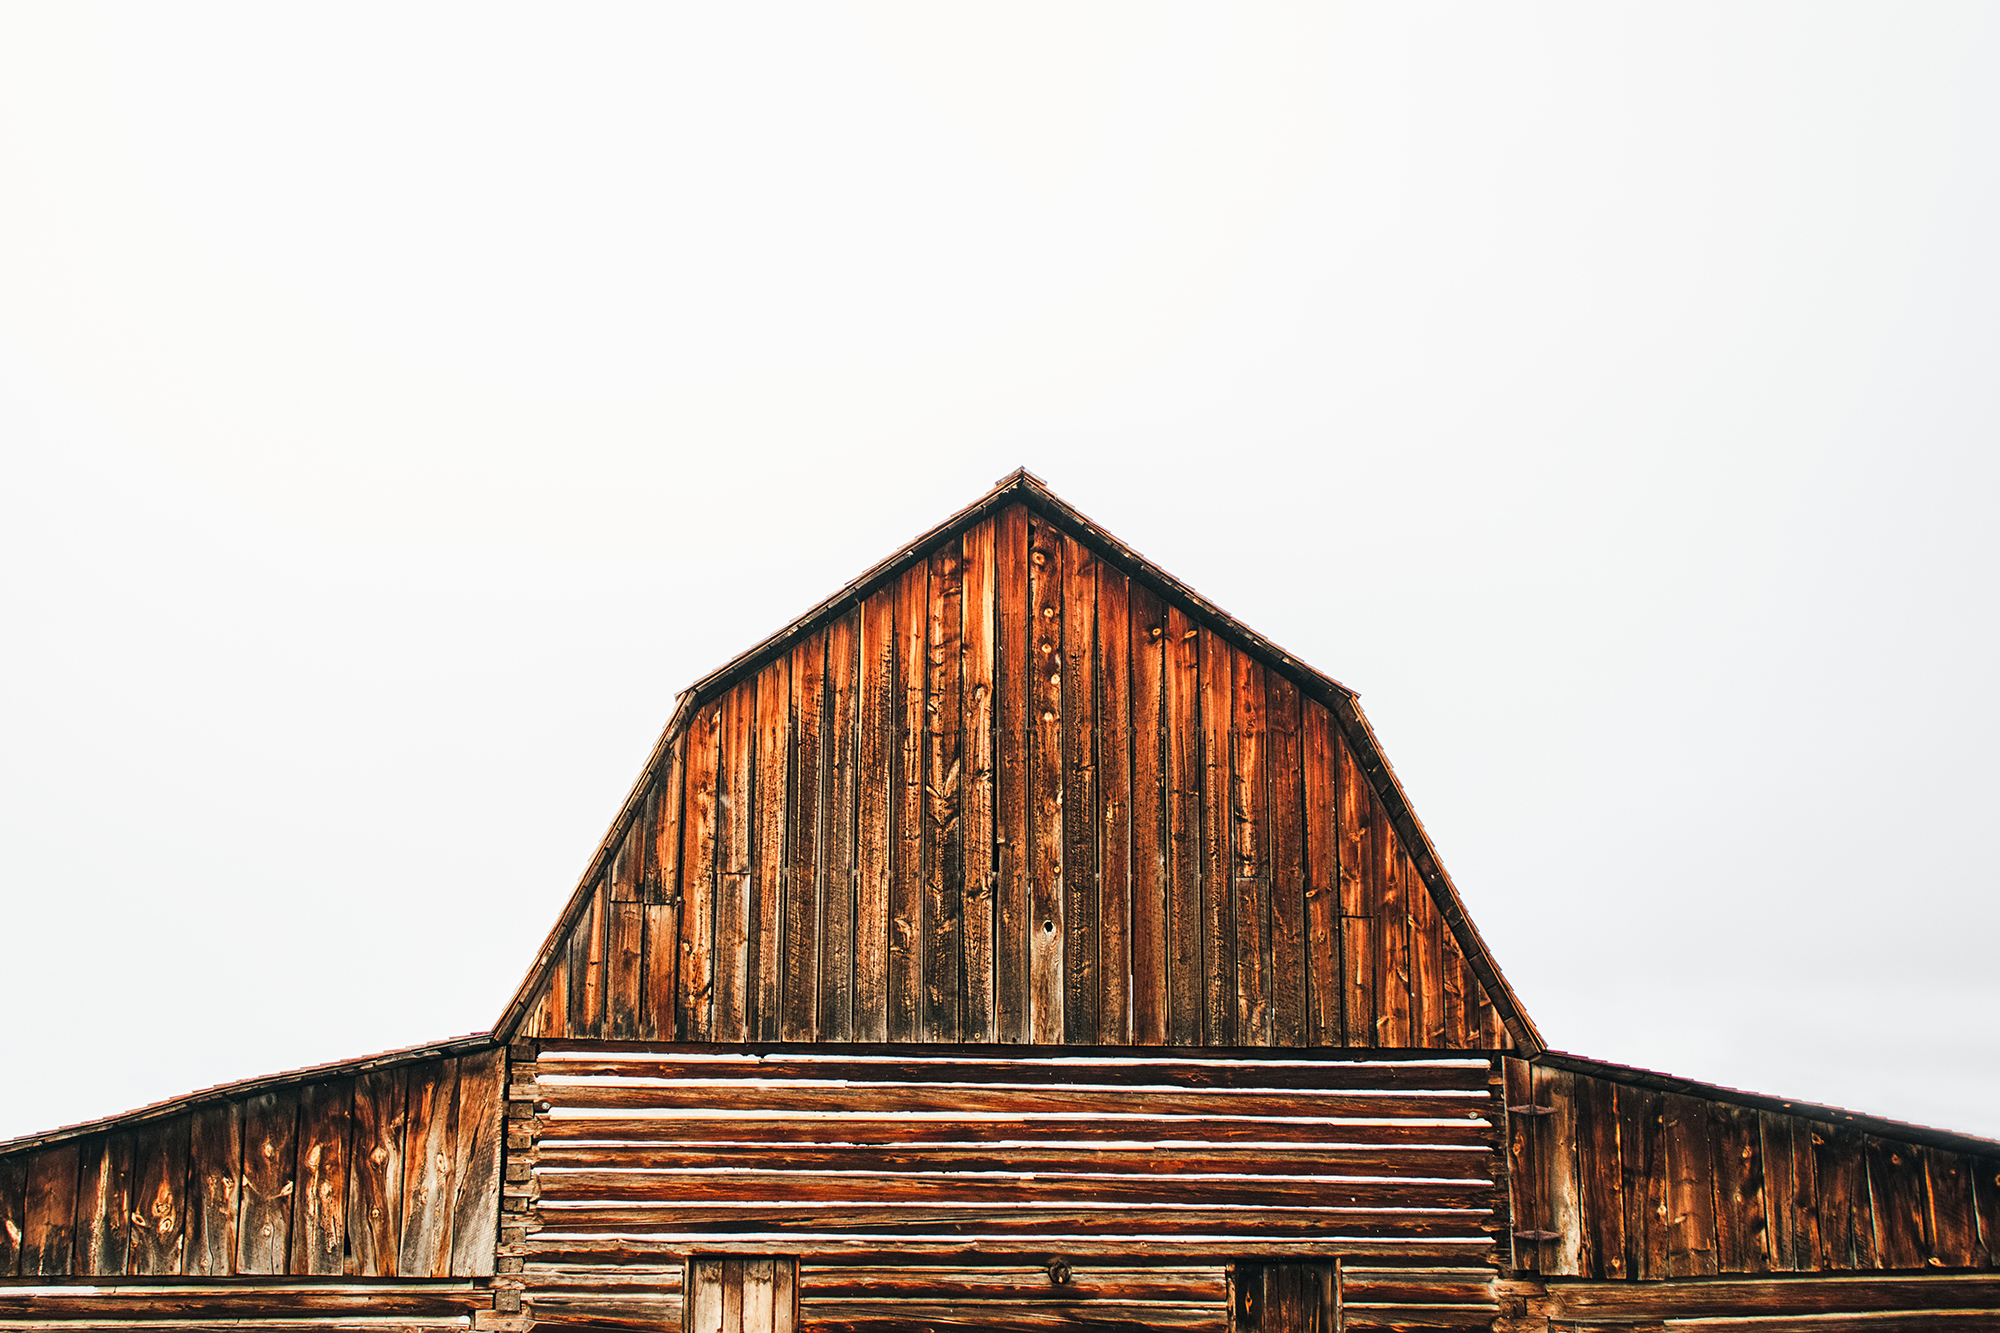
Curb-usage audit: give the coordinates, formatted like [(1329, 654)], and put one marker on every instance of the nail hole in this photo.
[(1048, 927)]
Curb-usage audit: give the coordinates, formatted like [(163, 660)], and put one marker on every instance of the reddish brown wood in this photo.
[(976, 786), (1952, 1220), (625, 969), (1741, 1223), (319, 1203), (375, 1174), (1846, 1222), (1218, 925), (906, 786), (628, 862), (1898, 1204), (876, 704), (1528, 1205), (1427, 1003), (476, 1167), (1250, 851), (1394, 880), (1690, 1162), (215, 1171), (1115, 1003), (803, 907), (1079, 799), (1359, 865), (941, 922), (1325, 965), (270, 1163), (430, 1168), (1289, 969), (734, 850), (1046, 887), (46, 1213), (769, 856), (1012, 670), (1457, 981), (663, 899), (838, 870), (1182, 694), (1149, 841)]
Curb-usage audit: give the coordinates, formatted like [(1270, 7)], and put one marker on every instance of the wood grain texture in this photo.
[(1220, 946), (734, 849), (44, 1211), (802, 908), (663, 899), (941, 923), (1250, 851), (977, 793), (1079, 924), (319, 1202), (907, 813), (430, 1164), (1150, 845), (1012, 670), (1325, 966), (1047, 889), (770, 854), (840, 793), (375, 1174), (1185, 919), (1285, 776), (877, 703), (1114, 737)]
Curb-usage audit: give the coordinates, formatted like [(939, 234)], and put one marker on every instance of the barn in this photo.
[(1014, 941)]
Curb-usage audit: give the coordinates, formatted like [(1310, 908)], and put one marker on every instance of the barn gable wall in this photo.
[(1017, 792)]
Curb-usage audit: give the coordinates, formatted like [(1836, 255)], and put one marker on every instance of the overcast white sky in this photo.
[(400, 403)]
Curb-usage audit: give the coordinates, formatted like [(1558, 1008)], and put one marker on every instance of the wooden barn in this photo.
[(1015, 941)]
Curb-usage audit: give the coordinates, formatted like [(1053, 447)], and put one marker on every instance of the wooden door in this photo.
[(742, 1295)]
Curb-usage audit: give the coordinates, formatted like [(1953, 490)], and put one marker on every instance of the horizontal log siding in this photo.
[(649, 1155), (391, 1172), (1015, 796), (1616, 1180), (392, 1306)]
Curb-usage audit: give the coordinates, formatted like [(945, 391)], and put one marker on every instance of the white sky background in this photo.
[(400, 404)]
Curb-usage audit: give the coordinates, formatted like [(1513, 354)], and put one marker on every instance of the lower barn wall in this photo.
[(1939, 1303), (78, 1306), (390, 1171)]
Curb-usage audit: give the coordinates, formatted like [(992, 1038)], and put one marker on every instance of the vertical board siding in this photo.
[(1012, 795), (48, 1182)]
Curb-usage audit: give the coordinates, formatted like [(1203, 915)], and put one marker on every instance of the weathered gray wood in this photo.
[(476, 1181)]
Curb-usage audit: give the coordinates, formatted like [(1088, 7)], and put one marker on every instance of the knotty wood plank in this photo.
[(1740, 1222), (1457, 980), (942, 921), (1046, 890), (758, 1295), (1392, 938), (1690, 1157), (1290, 972), (1643, 1180), (1427, 1020), (1556, 1155), (1359, 866), (103, 1204), (661, 984), (429, 1169), (1846, 1224), (877, 706), (319, 1204), (1896, 1189), (1599, 1179), (628, 862), (1528, 1204), (215, 1172), (1250, 850), (695, 1001), (734, 848), (375, 1173), (1114, 791), (839, 794), (625, 969), (1182, 704), (976, 800), (1012, 670), (704, 1295), (13, 1213), (799, 979), (476, 1143), (270, 1165), (1953, 1222), (1219, 941), (1986, 1204), (906, 824), (586, 967), (1149, 841), (552, 1013), (1324, 965), (770, 823), (47, 1213), (1080, 816)]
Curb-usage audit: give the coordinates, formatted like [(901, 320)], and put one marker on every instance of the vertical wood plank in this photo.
[(735, 813), (1219, 942), (1427, 1001), (1952, 1225), (13, 1212), (586, 967), (215, 1173), (1250, 850), (759, 1282), (770, 856), (375, 1174), (1456, 977), (1896, 1192), (1740, 1223), (1114, 825), (48, 1213), (1013, 630), (943, 896), (1289, 970), (627, 862), (429, 1171), (695, 1001), (1600, 1179), (1556, 1155), (1182, 685), (1840, 1171), (843, 645), (319, 1204), (976, 800), (270, 1163), (1359, 865), (1986, 1205), (704, 1296), (552, 1014), (732, 1296), (877, 703), (906, 946), (625, 948), (1780, 1193), (1691, 1236), (661, 985), (799, 979), (1046, 891), (1149, 844), (103, 1204), (1080, 819), (1643, 1180), (476, 1144), (1392, 935), (159, 1191), (1325, 965), (785, 1296), (1528, 1203)]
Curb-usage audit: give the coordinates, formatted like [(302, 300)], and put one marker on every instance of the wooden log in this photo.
[(1741, 1223), (1164, 1070), (1690, 1158), (769, 854), (663, 898), (1079, 800), (917, 1220), (1046, 889), (1185, 920), (942, 901), (1114, 1001), (1012, 671), (1250, 851), (876, 701), (837, 876), (429, 1169), (266, 1304), (824, 1247), (476, 1136), (375, 1174), (47, 1213), (1754, 1300), (319, 1204), (270, 1165), (906, 785), (734, 848), (1149, 841), (1321, 795), (1289, 970), (908, 1127), (977, 811), (1218, 936), (1012, 1283), (1461, 1164), (799, 979)]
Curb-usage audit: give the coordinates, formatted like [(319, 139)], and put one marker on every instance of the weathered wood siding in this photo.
[(1016, 795), (1795, 1303), (390, 1172), (1614, 1179), (319, 1307)]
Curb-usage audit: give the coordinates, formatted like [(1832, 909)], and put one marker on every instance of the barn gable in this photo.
[(1016, 785)]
